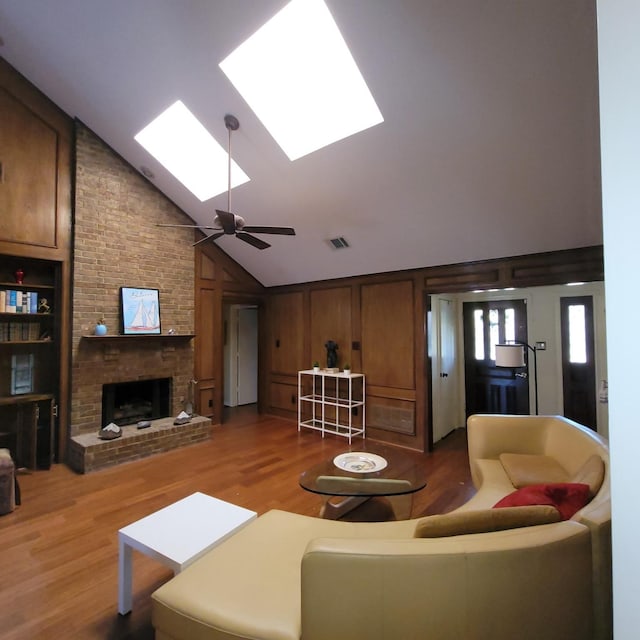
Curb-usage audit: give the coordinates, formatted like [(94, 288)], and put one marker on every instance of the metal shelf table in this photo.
[(332, 403)]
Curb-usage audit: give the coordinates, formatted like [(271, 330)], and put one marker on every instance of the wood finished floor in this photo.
[(59, 551)]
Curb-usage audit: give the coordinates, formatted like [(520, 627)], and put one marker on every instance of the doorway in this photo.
[(444, 372), (488, 388), (240, 355)]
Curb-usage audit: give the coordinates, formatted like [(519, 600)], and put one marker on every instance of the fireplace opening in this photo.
[(126, 403)]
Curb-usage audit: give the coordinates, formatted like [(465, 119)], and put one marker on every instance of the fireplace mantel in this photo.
[(112, 345), (131, 337)]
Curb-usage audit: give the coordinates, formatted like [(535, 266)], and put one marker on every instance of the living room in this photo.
[(234, 283)]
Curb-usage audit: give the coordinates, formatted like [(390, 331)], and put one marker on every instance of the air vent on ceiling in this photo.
[(339, 243)]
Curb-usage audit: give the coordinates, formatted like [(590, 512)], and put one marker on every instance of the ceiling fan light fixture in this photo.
[(228, 223)]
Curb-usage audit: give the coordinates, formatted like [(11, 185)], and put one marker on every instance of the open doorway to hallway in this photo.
[(568, 320), (240, 356)]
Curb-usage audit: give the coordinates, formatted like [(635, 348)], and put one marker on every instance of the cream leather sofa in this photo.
[(287, 576)]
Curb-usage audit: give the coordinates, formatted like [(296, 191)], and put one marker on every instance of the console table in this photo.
[(332, 403)]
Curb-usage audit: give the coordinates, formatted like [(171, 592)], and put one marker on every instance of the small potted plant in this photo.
[(101, 327), (316, 367), (347, 369)]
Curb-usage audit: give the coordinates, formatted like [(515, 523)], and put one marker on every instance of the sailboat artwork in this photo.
[(140, 311)]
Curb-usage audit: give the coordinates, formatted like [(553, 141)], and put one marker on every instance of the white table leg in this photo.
[(124, 577)]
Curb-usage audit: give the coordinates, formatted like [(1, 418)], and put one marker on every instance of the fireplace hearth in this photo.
[(125, 403)]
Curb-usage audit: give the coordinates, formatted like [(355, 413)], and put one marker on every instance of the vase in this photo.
[(101, 330)]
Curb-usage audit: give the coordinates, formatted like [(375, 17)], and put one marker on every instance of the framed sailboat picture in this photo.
[(139, 311)]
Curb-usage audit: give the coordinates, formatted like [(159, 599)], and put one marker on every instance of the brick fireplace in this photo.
[(117, 243)]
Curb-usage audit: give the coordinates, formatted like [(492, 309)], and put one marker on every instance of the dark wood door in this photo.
[(491, 389), (578, 360)]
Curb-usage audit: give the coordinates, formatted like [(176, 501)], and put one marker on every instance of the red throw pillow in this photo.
[(566, 497)]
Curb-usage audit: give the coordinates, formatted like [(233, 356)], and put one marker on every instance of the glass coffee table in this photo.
[(372, 483)]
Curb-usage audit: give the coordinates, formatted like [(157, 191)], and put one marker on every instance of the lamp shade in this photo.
[(510, 355)]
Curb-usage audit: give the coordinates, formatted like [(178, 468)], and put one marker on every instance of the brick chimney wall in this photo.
[(117, 243)]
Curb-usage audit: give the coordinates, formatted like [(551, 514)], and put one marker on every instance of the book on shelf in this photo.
[(14, 301), (22, 373), (21, 331), (10, 306), (34, 331), (15, 331)]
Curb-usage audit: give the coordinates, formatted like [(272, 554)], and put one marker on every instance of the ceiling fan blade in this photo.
[(282, 231), (212, 237), (227, 221), (253, 241), (189, 226)]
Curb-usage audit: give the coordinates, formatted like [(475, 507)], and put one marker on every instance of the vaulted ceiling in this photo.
[(489, 145)]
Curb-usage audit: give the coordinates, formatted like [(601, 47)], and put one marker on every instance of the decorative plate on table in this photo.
[(360, 462)]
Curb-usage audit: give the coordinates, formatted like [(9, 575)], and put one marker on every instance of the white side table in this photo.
[(177, 536)]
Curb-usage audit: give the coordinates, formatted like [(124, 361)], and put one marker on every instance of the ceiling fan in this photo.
[(227, 223)]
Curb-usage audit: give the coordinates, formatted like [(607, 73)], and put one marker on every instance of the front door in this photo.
[(491, 389)]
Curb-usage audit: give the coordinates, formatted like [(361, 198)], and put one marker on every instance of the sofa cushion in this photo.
[(485, 520), (526, 469), (566, 497), (591, 473)]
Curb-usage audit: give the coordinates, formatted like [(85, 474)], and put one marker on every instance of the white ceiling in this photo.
[(489, 146)]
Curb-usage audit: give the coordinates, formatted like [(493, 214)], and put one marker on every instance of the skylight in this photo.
[(299, 77), (180, 142)]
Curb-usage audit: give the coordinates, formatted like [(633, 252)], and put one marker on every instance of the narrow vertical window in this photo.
[(577, 334), (509, 325), (494, 331), (478, 332)]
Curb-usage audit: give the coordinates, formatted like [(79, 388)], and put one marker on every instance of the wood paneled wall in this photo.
[(388, 334), (330, 319), (379, 323)]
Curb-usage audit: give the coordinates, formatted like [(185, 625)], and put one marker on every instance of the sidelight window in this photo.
[(577, 334), (478, 332)]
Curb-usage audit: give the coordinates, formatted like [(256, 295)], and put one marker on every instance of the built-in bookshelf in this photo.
[(29, 356)]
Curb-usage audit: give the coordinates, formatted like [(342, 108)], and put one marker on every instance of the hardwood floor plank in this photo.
[(59, 549)]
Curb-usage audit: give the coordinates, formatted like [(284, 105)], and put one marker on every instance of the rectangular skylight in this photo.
[(299, 77), (181, 143)]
